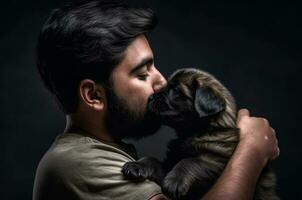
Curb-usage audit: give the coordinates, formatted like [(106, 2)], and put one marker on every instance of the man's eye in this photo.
[(143, 77)]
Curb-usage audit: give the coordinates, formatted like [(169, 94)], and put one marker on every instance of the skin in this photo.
[(133, 81), (258, 144)]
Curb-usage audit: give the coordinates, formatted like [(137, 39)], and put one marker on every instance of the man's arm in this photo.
[(258, 145)]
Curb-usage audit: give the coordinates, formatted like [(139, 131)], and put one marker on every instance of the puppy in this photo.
[(203, 114)]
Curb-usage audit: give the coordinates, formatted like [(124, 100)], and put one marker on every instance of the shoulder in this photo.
[(74, 153), (92, 168)]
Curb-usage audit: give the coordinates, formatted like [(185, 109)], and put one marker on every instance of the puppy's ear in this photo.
[(207, 103)]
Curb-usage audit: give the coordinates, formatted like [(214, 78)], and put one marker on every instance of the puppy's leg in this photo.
[(145, 168), (189, 175)]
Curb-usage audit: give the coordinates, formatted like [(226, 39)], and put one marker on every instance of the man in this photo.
[(95, 59)]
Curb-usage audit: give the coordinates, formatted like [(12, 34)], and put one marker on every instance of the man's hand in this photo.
[(257, 135)]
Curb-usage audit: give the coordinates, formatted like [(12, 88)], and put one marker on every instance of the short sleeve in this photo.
[(98, 176), (92, 171)]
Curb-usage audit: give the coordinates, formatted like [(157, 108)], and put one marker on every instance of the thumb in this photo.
[(242, 113)]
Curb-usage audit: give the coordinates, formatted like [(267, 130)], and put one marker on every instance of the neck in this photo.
[(74, 123)]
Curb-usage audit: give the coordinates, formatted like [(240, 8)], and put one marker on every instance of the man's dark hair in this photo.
[(86, 40)]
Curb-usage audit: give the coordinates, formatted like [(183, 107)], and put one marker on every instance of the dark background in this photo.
[(253, 48)]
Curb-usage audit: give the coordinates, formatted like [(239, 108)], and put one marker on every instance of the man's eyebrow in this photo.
[(144, 62)]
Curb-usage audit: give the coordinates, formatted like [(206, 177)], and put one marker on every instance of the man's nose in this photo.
[(160, 83)]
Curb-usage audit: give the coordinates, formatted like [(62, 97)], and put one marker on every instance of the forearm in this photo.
[(239, 178)]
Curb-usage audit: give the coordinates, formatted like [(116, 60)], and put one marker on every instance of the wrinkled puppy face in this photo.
[(193, 97)]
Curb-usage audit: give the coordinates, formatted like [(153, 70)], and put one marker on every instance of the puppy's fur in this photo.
[(203, 113)]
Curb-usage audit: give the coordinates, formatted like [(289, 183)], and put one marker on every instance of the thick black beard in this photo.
[(126, 123)]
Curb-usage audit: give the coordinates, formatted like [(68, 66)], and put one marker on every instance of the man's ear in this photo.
[(207, 103), (92, 94)]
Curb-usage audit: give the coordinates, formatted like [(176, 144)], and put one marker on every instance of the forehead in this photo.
[(135, 53)]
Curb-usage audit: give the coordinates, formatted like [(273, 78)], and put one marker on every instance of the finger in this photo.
[(242, 112), (277, 153), (275, 136), (274, 132)]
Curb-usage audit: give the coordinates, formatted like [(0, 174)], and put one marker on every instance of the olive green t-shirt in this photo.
[(78, 166)]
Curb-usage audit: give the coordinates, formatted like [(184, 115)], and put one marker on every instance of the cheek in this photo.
[(138, 96), (135, 92)]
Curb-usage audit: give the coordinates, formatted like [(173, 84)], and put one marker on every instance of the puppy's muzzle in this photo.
[(156, 103)]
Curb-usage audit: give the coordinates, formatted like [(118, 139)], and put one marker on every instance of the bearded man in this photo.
[(94, 57)]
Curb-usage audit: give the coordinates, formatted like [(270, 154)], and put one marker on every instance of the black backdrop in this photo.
[(253, 48)]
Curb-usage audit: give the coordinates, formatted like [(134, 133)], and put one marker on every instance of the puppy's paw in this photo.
[(174, 187), (134, 171)]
